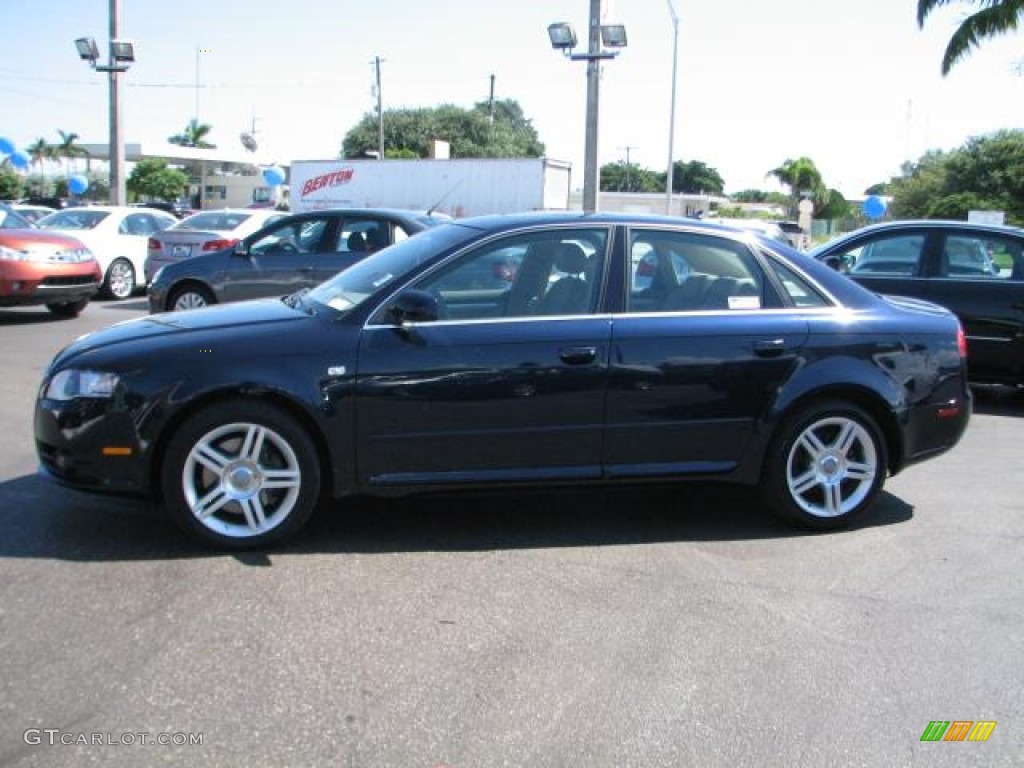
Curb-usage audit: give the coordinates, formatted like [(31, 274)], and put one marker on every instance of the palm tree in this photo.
[(194, 135), (40, 152), (68, 149), (995, 17), (802, 177)]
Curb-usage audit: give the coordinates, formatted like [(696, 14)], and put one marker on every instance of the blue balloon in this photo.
[(273, 175), (6, 146), (874, 207), (78, 184), (20, 160)]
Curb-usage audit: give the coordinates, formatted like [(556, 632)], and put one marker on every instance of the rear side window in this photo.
[(800, 292), (684, 271), (986, 258)]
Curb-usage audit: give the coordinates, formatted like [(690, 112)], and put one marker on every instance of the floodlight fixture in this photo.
[(122, 51), (87, 49), (613, 35), (563, 36)]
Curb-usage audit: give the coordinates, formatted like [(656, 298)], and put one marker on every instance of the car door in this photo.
[(278, 261), (700, 348), (507, 385), (980, 277), (892, 262)]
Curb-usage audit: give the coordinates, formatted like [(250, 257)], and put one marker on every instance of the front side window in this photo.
[(686, 271), (295, 237), (895, 255)]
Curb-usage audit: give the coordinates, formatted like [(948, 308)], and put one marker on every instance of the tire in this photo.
[(826, 465), (190, 297), (67, 308), (119, 282), (219, 460)]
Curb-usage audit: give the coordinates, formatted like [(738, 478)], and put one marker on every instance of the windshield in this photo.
[(11, 220), (351, 287), (73, 219)]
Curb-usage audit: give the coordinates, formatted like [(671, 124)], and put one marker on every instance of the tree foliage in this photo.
[(986, 173), (695, 177), (194, 135), (995, 17), (154, 179), (12, 185), (630, 177), (470, 132)]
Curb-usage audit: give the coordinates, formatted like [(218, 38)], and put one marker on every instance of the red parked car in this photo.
[(39, 267)]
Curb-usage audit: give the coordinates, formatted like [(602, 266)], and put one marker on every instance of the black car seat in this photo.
[(571, 294)]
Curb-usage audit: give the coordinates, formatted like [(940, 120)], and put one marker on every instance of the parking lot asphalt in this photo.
[(662, 626)]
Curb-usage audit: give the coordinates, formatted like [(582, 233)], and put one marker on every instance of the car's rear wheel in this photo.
[(826, 465), (67, 308), (119, 282), (240, 475), (190, 297)]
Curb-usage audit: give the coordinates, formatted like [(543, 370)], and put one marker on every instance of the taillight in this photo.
[(961, 342), (645, 269), (153, 244), (219, 245)]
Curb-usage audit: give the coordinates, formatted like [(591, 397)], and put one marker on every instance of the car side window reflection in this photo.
[(295, 237), (679, 272), (557, 273), (897, 255), (989, 258)]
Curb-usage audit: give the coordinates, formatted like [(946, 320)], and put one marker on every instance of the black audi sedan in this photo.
[(293, 252), (735, 359), (976, 270)]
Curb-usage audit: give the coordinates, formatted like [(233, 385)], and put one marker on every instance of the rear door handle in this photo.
[(578, 355), (769, 347)]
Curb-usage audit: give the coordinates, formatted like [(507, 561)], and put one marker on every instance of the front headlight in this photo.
[(10, 254), (72, 383)]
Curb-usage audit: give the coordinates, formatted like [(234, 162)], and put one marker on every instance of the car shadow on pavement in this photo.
[(998, 401), (46, 521), (29, 316), (135, 304)]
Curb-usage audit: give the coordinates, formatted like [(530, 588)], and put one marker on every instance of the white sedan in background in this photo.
[(117, 235)]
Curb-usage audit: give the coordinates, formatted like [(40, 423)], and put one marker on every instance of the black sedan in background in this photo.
[(975, 270), (737, 360), (294, 252)]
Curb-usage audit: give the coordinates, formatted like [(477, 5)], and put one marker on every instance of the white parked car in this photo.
[(117, 235)]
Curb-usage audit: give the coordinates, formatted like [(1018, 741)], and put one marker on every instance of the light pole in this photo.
[(121, 56), (563, 38), (672, 109)]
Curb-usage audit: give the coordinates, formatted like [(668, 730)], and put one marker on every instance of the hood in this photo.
[(246, 316)]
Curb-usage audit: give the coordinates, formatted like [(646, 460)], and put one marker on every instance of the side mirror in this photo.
[(241, 249), (836, 262), (414, 307)]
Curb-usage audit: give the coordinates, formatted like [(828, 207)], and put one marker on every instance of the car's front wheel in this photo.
[(826, 465), (119, 282), (240, 475), (190, 297), (67, 308)]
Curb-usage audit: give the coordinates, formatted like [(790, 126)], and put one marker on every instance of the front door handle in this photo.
[(578, 355), (769, 347)]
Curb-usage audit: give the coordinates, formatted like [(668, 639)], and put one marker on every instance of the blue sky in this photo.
[(855, 87)]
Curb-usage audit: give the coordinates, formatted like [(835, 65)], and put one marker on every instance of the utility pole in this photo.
[(628, 166), (672, 109), (380, 113), (118, 188), (490, 103)]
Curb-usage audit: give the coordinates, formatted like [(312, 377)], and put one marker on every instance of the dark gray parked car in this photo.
[(295, 252)]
